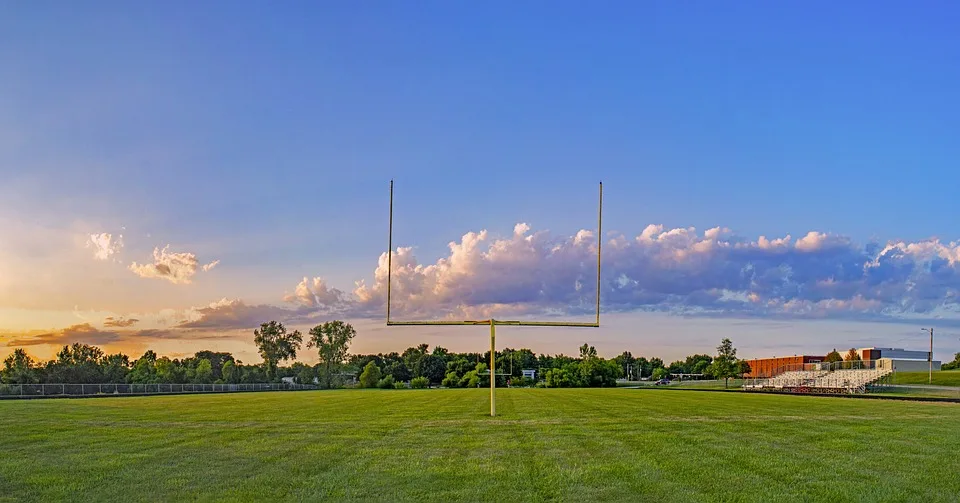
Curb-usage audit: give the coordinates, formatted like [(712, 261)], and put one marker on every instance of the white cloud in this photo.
[(683, 271), (671, 269), (104, 245), (175, 267), (211, 265), (314, 293)]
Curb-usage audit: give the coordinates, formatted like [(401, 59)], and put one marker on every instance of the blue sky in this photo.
[(264, 135)]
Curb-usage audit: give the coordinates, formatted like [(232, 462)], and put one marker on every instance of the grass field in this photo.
[(441, 445), (733, 384), (940, 378)]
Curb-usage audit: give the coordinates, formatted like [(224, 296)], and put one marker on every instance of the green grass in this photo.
[(940, 378), (441, 445), (733, 384)]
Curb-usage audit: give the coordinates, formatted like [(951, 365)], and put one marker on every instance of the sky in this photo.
[(173, 174)]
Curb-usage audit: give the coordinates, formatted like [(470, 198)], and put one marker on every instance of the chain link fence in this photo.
[(78, 390)]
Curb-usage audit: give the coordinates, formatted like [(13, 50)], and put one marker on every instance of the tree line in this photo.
[(420, 366)]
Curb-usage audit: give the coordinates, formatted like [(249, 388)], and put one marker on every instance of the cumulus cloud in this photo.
[(175, 267), (110, 321), (677, 270), (682, 271), (104, 245), (315, 293)]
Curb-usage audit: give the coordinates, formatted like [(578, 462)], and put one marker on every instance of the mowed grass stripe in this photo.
[(441, 445)]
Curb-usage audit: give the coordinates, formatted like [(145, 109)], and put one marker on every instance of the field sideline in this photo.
[(441, 445)]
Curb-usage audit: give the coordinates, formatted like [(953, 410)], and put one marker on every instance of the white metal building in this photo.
[(902, 365), (893, 353)]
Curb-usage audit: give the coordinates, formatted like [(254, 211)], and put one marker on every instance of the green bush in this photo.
[(399, 385), (520, 382), (385, 383), (370, 376), (419, 382), (451, 381), (470, 380)]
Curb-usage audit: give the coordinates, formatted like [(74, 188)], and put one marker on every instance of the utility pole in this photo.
[(930, 355)]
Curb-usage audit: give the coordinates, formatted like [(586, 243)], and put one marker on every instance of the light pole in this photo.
[(930, 357)]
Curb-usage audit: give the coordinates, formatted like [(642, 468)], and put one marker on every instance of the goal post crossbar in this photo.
[(515, 323)]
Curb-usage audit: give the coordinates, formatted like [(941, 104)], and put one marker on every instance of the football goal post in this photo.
[(491, 322)]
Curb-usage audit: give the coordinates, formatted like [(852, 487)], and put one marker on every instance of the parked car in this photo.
[(662, 381)]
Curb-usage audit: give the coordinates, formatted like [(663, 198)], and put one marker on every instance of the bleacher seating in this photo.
[(795, 378), (846, 380)]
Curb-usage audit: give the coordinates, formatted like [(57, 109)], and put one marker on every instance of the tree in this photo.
[(306, 375), (587, 352), (701, 366), (660, 373), (597, 372), (744, 368), (76, 363), (204, 372), (115, 368), (643, 367), (653, 365), (370, 376), (332, 340), (459, 366), (833, 356), (217, 359), (451, 380), (168, 371), (276, 345), (470, 380), (229, 372), (412, 355), (398, 370), (251, 374), (725, 365), (18, 368), (852, 355), (954, 365), (144, 369), (432, 367), (628, 363)]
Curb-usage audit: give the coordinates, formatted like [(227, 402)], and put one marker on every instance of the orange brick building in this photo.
[(766, 367)]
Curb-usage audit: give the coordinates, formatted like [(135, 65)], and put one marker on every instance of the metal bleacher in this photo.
[(837, 377)]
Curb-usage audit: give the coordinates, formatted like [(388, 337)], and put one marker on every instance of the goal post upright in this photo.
[(491, 321)]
